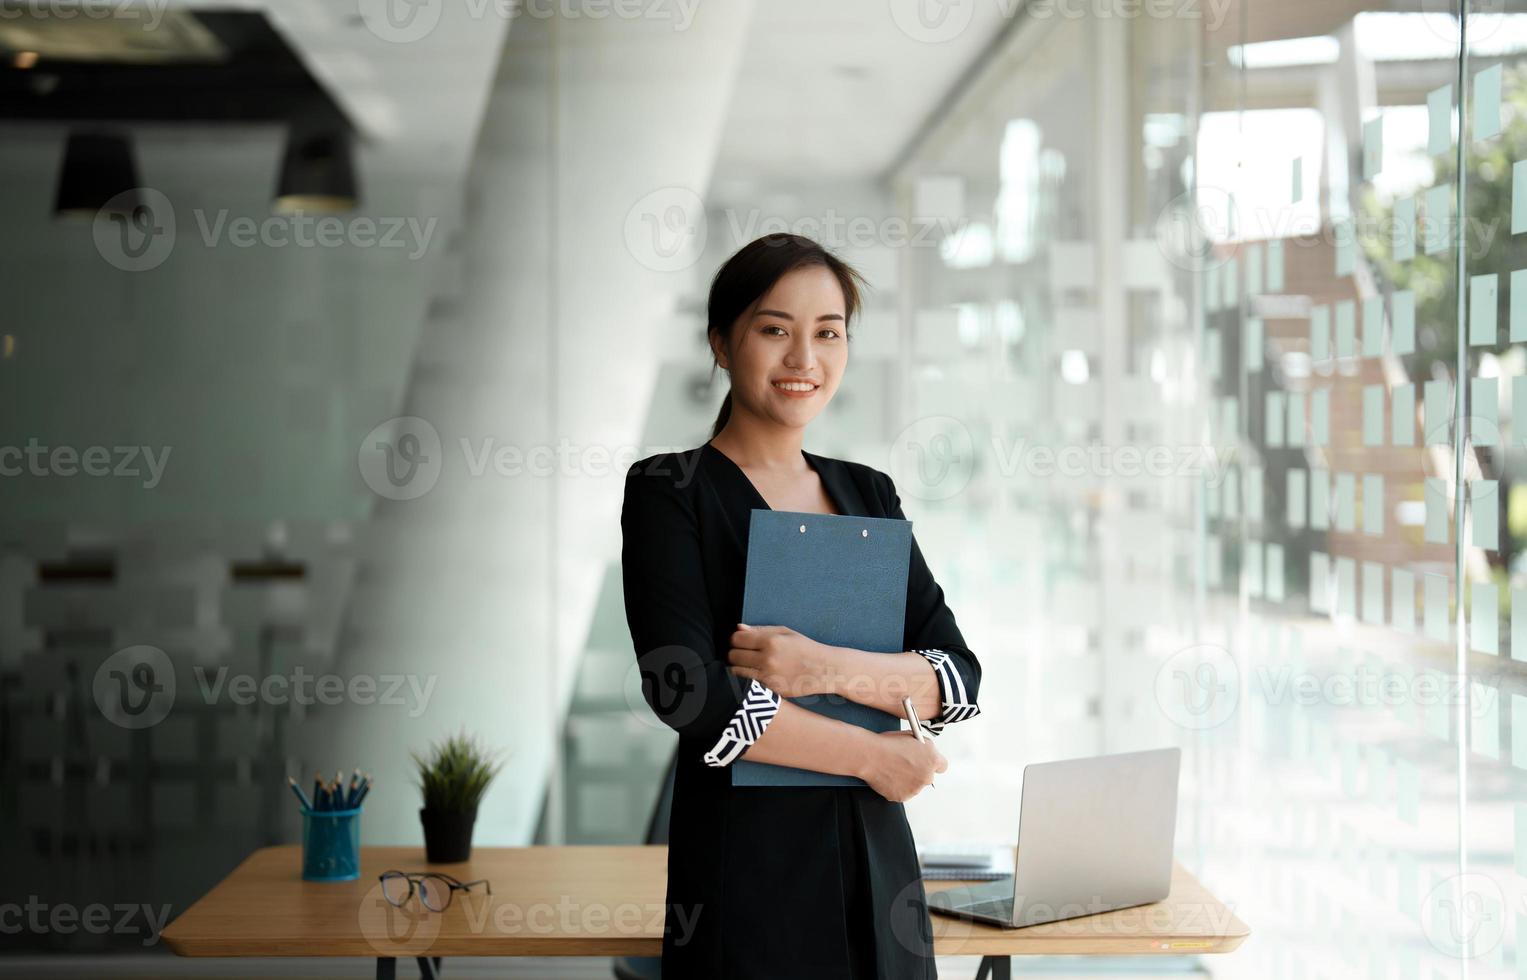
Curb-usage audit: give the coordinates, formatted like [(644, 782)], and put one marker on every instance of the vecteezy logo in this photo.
[(400, 21), (933, 458), (666, 687), (673, 682), (916, 931), (1191, 223), (932, 21), (135, 687), (666, 230), (1441, 18), (391, 930), (135, 230), (1464, 916), (401, 459), (1199, 687)]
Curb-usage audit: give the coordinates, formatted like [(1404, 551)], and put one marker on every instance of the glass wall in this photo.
[(1492, 324), (1236, 385)]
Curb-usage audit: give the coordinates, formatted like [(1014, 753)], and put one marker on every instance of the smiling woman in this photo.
[(800, 881), (782, 292)]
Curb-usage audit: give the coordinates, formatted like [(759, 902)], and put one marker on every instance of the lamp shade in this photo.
[(317, 173), (97, 168)]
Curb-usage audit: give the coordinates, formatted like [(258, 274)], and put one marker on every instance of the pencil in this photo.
[(297, 791)]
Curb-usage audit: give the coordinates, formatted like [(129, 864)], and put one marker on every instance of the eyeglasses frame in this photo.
[(415, 877)]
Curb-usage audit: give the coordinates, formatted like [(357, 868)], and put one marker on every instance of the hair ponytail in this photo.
[(723, 415)]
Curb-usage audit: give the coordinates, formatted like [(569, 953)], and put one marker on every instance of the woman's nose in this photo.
[(800, 356)]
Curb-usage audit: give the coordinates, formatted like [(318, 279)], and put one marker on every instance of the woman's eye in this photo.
[(831, 331), (774, 326)]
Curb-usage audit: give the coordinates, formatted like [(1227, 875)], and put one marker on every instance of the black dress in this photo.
[(806, 883)]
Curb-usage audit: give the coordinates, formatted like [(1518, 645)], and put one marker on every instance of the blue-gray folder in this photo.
[(840, 580)]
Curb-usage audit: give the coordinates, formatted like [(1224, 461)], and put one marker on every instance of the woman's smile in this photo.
[(792, 388)]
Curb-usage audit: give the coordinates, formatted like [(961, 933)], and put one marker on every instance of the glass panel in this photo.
[(1489, 892), (1232, 241), (1006, 313)]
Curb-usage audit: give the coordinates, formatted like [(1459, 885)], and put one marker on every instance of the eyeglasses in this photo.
[(435, 889)]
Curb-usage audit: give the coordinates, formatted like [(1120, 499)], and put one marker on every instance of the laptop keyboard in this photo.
[(1002, 907)]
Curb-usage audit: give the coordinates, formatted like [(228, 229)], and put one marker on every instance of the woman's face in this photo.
[(795, 332)]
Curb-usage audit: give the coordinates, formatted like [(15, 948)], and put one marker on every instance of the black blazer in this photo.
[(765, 882)]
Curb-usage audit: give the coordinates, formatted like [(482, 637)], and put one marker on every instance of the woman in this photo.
[(787, 881)]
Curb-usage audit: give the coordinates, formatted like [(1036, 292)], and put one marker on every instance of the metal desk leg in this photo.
[(429, 967), (995, 968)]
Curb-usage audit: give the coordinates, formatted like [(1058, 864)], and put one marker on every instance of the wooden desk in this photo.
[(594, 901)]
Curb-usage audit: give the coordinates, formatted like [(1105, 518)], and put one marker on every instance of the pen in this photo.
[(917, 728)]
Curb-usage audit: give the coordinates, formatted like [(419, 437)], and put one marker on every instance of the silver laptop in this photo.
[(1093, 835)]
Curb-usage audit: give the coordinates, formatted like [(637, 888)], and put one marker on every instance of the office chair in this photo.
[(651, 967)]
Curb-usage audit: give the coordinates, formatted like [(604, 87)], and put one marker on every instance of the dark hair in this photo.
[(744, 278)]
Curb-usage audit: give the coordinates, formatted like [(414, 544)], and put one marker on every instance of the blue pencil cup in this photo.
[(331, 845)]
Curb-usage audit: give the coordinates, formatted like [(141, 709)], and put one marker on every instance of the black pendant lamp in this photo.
[(317, 173), (97, 168)]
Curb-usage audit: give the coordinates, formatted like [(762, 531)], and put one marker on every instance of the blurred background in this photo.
[(1193, 345)]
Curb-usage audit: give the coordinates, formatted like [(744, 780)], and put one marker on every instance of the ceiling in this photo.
[(833, 91), (214, 67), (418, 91), (822, 90), (415, 92)]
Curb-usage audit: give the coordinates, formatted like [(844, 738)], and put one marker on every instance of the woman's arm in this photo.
[(683, 679), (794, 665), (894, 764), (940, 673), (807, 740), (943, 691), (881, 680)]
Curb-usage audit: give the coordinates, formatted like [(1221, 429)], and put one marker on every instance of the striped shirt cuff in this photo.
[(954, 704), (758, 708)]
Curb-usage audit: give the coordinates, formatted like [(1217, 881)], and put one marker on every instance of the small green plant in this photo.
[(456, 774)]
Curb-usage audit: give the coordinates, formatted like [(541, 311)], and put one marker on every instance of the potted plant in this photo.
[(452, 780)]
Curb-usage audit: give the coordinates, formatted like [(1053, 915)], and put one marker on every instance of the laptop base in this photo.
[(991, 902)]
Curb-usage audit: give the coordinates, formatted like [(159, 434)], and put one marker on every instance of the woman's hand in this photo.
[(898, 766), (786, 662)]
